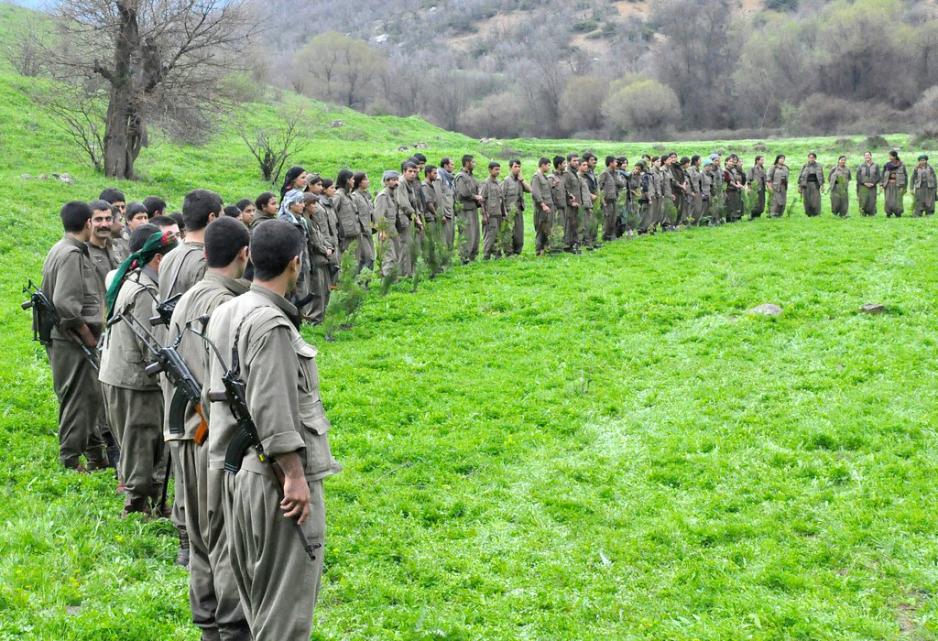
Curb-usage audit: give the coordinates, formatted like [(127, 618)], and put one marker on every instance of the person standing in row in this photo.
[(586, 231), (756, 181), (323, 255), (895, 181), (445, 194), (734, 179), (71, 284), (493, 213), (468, 201), (810, 182), (264, 501), (869, 177), (366, 221), (609, 192), (542, 197), (386, 211), (134, 398), (514, 189), (838, 183), (558, 195), (345, 213), (213, 597), (571, 187), (923, 188), (777, 183)]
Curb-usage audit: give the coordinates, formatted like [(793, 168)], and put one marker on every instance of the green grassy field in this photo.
[(597, 447)]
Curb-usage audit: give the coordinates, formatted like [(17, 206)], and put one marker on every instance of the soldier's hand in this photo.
[(295, 503)]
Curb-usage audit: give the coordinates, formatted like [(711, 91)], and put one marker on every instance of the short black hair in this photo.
[(233, 211), (263, 199), (468, 158), (135, 208), (572, 155), (162, 221), (179, 220), (494, 164), (244, 203), (273, 245), (420, 157), (445, 161), (558, 160), (610, 160), (100, 205), (513, 162), (112, 195), (543, 161), (428, 169), (75, 215), (408, 164), (224, 238), (154, 204), (589, 155), (197, 206), (139, 238)]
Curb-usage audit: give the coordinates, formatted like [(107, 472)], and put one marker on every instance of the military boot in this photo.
[(97, 459), (139, 505)]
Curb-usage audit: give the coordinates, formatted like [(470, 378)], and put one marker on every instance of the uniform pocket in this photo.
[(319, 461)]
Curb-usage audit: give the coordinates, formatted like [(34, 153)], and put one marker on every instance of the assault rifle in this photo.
[(168, 361), (247, 436), (45, 318)]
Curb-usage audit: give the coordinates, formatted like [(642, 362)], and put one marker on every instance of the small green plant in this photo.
[(349, 296)]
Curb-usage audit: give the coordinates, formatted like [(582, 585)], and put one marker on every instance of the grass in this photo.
[(597, 447)]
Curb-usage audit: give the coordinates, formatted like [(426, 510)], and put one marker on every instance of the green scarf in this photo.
[(158, 243)]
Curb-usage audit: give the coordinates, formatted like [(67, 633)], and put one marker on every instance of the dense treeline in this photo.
[(591, 68)]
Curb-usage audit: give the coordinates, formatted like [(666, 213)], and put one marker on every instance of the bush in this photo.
[(645, 106), (875, 142)]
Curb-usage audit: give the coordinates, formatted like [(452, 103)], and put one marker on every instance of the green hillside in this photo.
[(596, 447)]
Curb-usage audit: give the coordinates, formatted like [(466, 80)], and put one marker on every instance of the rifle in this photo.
[(164, 310), (247, 437), (45, 318), (171, 364)]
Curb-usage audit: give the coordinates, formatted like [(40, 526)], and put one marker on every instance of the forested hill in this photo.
[(505, 68)]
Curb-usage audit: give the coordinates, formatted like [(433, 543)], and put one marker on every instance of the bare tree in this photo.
[(24, 49), (149, 53), (273, 146), (80, 113)]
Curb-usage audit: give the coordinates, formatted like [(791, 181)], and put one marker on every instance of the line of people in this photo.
[(128, 279)]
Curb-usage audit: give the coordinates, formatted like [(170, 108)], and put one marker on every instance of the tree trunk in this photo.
[(123, 133)]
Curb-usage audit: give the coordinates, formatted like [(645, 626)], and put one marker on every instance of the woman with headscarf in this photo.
[(291, 210), (133, 396), (895, 180)]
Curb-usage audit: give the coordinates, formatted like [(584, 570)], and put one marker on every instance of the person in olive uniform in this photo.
[(72, 285), (838, 183), (810, 183), (756, 180), (609, 192), (134, 397), (365, 213), (493, 213), (390, 221), (468, 202), (777, 183), (217, 611), (895, 180), (923, 187), (513, 189), (276, 579), (869, 177), (542, 197)]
